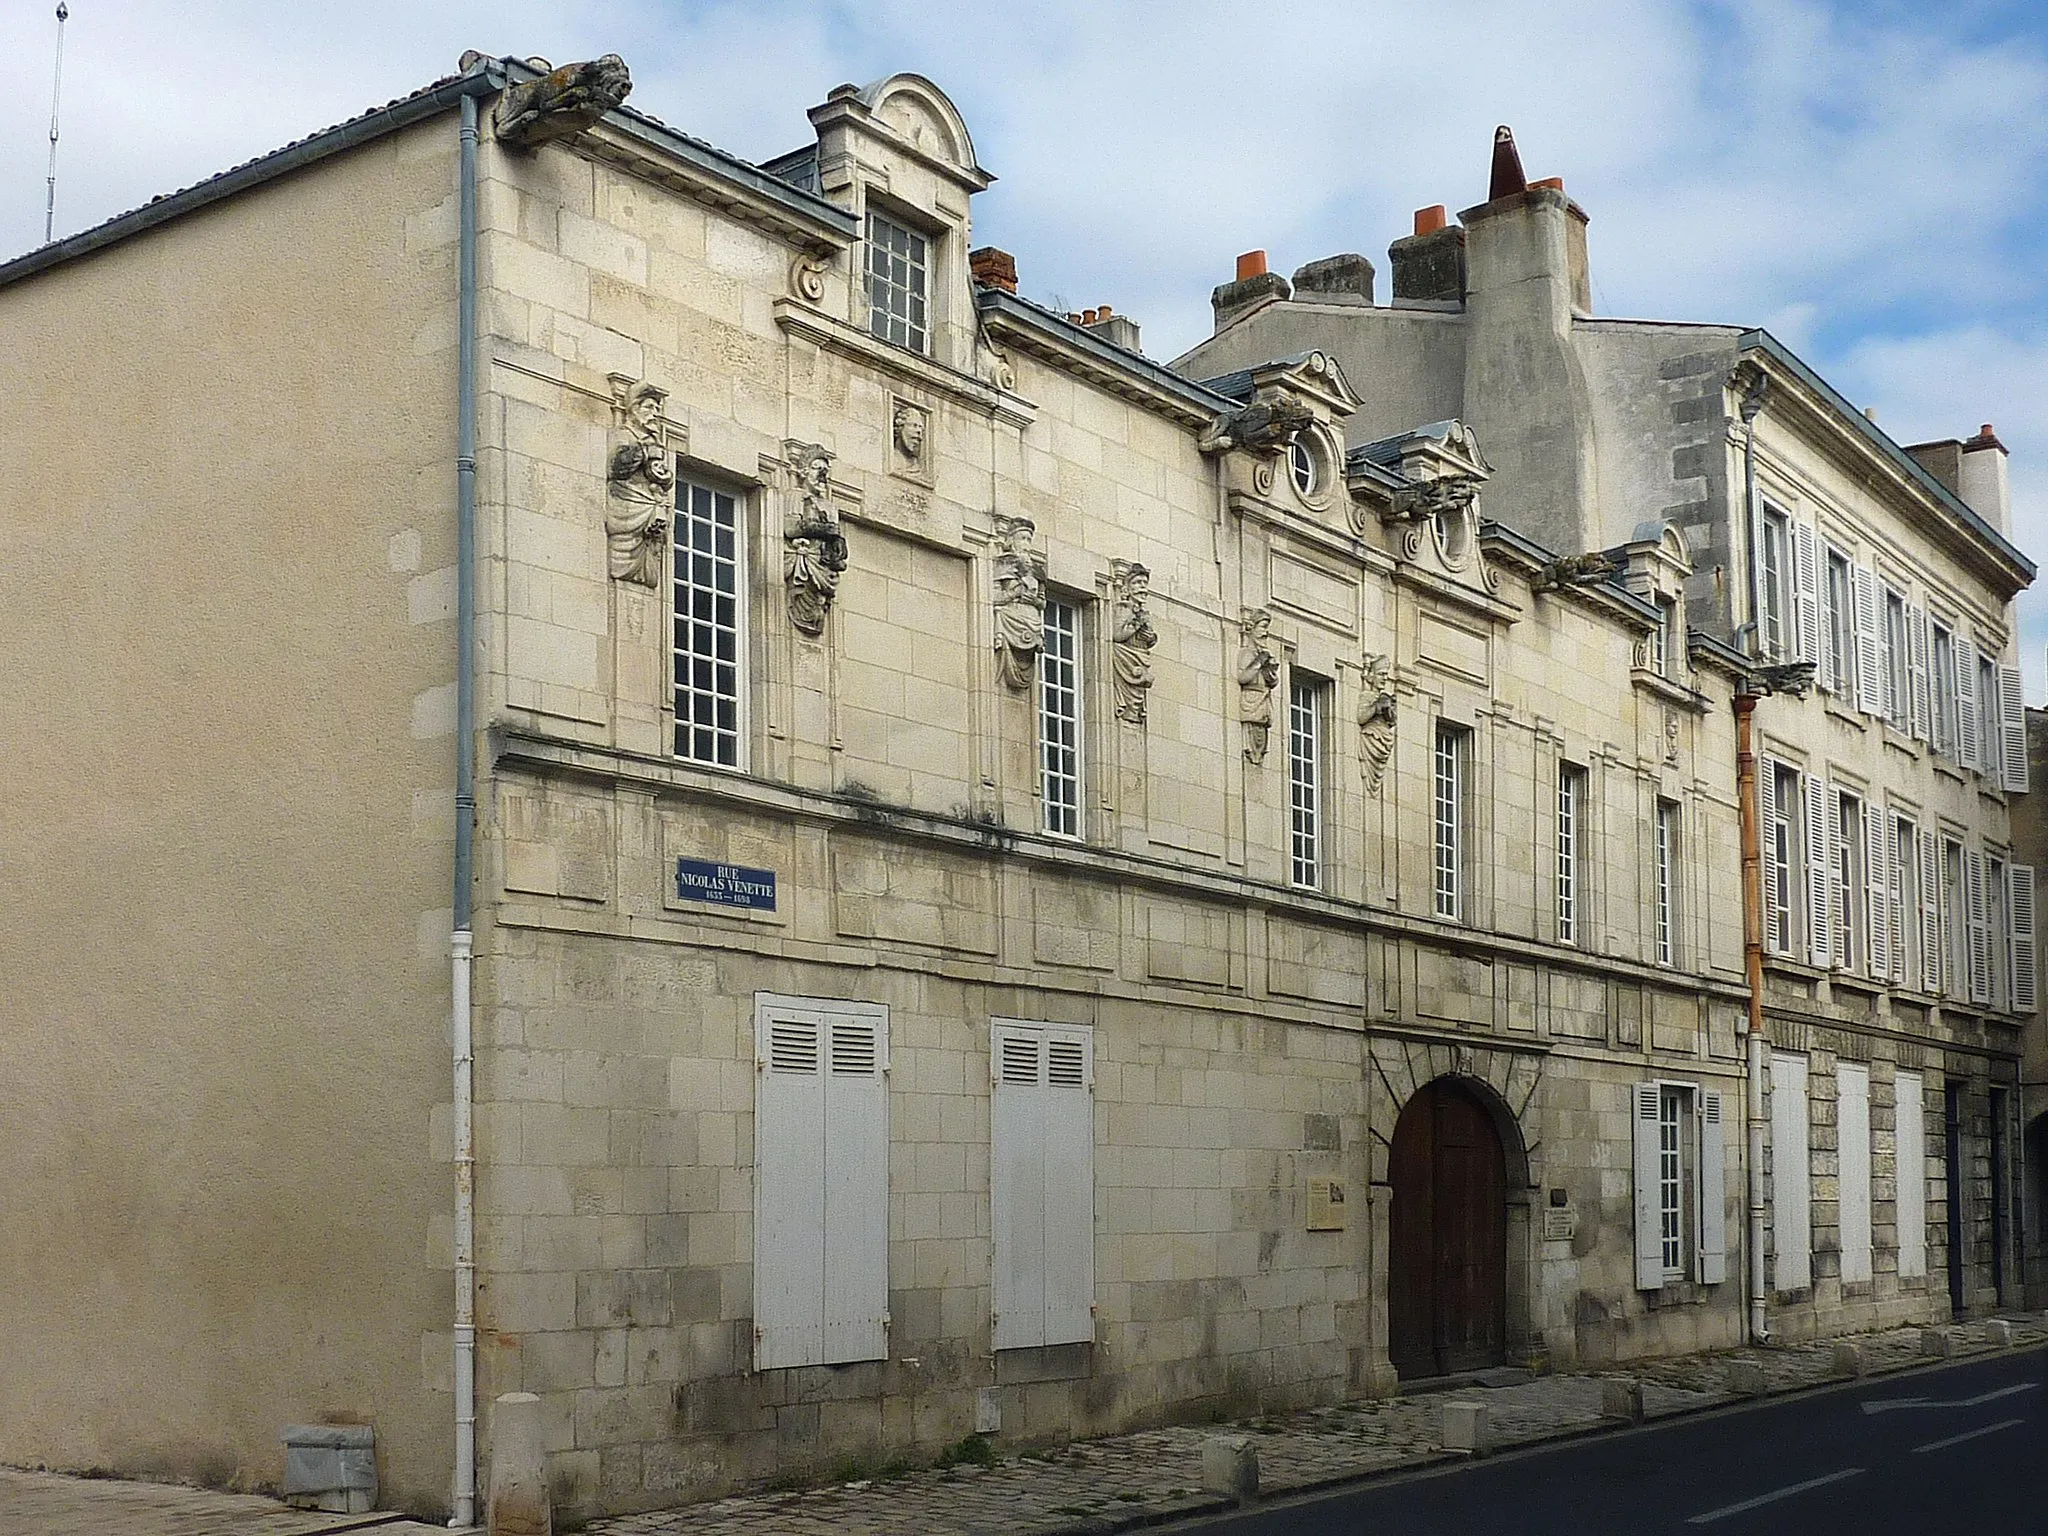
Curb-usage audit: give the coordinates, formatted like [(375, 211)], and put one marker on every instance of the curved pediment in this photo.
[(923, 116)]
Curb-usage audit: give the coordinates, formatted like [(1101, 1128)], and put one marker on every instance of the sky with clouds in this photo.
[(1868, 179)]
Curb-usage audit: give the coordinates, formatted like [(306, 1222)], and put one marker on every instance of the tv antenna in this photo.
[(56, 93)]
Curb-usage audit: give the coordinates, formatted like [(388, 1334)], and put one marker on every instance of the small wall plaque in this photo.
[(1559, 1226), (1326, 1205), (725, 885)]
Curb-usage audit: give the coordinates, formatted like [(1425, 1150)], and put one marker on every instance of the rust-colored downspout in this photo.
[(1753, 974)]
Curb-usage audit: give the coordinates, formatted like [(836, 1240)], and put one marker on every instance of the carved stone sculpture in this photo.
[(1264, 426), (641, 481), (1132, 639), (909, 429), (1376, 708), (562, 102), (1575, 571), (1020, 602), (813, 548), (1258, 674)]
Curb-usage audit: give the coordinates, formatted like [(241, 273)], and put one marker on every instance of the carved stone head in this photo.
[(910, 430)]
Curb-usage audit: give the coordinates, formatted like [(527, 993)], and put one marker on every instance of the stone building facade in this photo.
[(1016, 891), (1899, 945)]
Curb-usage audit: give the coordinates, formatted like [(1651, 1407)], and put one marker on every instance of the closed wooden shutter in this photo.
[(1910, 1122), (1916, 648), (821, 1182), (1967, 746), (1819, 930), (1930, 913), (1878, 906), (2012, 729), (1791, 1172), (1042, 1184), (1806, 638), (1852, 1120), (1979, 925), (1713, 1192), (1870, 674), (2019, 909), (1649, 1232)]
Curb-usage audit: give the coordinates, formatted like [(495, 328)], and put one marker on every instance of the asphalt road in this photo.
[(1954, 1451)]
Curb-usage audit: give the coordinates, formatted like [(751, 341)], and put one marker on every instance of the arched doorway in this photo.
[(1447, 1258)]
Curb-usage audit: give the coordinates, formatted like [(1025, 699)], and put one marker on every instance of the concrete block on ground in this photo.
[(1998, 1333), (1622, 1400), (1230, 1464), (331, 1467), (1848, 1359), (1467, 1427), (1936, 1343), (519, 1504), (1746, 1378)]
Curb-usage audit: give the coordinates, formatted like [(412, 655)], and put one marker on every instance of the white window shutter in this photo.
[(1017, 1183), (1649, 1227), (1869, 667), (1878, 907), (2012, 729), (1805, 596), (1930, 913), (1069, 1186), (1916, 653), (1767, 816), (1852, 1121), (1824, 669), (1979, 926), (1965, 652), (857, 1188), (2019, 908), (789, 1188), (1909, 1120), (1819, 931), (1791, 1172), (1713, 1195), (1899, 882)]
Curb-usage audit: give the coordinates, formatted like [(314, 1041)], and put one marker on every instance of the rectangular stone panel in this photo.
[(1310, 590), (1450, 647), (1075, 923), (556, 842), (1187, 943), (890, 892), (1315, 961), (1454, 987)]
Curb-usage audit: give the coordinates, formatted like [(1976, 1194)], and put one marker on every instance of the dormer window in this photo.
[(1301, 463), (899, 284)]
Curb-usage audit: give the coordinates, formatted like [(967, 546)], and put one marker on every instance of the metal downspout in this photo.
[(461, 936), (1753, 1023)]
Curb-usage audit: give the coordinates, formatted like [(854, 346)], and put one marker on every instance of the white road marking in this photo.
[(1988, 1429), (1888, 1404), (1772, 1497)]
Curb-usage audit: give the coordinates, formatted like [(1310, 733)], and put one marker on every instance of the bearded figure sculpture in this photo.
[(1020, 602), (641, 481)]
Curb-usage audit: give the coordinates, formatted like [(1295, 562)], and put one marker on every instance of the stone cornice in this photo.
[(1076, 351), (850, 341)]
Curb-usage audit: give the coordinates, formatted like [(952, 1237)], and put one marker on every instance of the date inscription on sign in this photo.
[(725, 885)]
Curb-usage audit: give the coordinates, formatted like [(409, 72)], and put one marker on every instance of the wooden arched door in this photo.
[(1447, 1259)]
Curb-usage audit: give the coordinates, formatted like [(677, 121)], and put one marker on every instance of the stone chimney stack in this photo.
[(1982, 481), (1254, 288), (1525, 391), (1429, 265)]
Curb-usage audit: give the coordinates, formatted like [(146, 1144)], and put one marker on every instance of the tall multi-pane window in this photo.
[(1773, 569), (1905, 900), (1304, 779), (1987, 717), (1847, 879), (1571, 808), (899, 264), (1674, 1122), (1449, 797), (1661, 639), (1059, 718), (1666, 853), (1779, 829), (707, 626), (1841, 636), (1944, 683), (1896, 661)]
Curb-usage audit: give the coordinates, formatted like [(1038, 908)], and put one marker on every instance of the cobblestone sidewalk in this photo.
[(1142, 1479)]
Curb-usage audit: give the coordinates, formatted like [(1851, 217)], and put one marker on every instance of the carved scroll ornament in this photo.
[(1258, 674), (641, 484), (813, 547), (1132, 639), (1020, 602)]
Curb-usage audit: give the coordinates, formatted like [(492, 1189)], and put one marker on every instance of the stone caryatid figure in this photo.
[(813, 547), (1258, 674), (1132, 639), (1376, 708), (1020, 602), (562, 101), (641, 480)]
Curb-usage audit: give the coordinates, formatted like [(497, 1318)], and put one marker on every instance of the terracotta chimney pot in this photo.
[(1251, 264), (1555, 183), (1104, 313), (1431, 219)]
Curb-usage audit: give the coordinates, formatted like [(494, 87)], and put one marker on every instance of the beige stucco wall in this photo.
[(227, 447)]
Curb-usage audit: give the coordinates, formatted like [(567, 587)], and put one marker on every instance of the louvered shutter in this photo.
[(1713, 1195), (1878, 907), (1967, 752), (1869, 669), (1649, 1233), (1979, 926), (1805, 596), (2019, 908), (1909, 1120), (1852, 1120), (1824, 670), (1042, 1184), (857, 1190), (1819, 930), (1930, 913), (789, 1188), (1767, 819), (1791, 1173), (1069, 1186), (2012, 729), (1899, 882), (1916, 668)]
